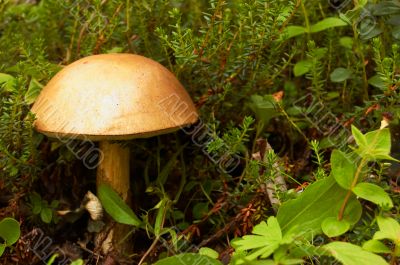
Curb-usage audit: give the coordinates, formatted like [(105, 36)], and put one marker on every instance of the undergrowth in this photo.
[(290, 91)]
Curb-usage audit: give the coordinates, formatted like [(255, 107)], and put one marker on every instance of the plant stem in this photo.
[(350, 191), (305, 17), (394, 258)]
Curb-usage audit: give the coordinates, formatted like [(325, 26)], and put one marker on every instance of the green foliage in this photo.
[(349, 254), (116, 207), (9, 233), (388, 229), (42, 208), (320, 201), (332, 66), (267, 239), (188, 258)]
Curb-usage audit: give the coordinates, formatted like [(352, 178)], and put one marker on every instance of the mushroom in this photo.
[(112, 97)]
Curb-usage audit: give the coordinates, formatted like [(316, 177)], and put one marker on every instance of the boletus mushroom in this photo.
[(112, 97)]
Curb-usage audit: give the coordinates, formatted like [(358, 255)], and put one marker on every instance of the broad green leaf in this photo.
[(378, 145), (343, 168), (368, 29), (373, 193), (264, 241), (350, 254), (320, 200), (9, 230), (388, 229), (327, 23), (188, 258), (270, 229), (33, 91), (46, 214), (386, 8), (332, 227), (373, 145), (353, 211), (340, 74), (376, 246), (208, 252), (302, 67), (359, 137), (292, 31), (7, 82), (2, 248), (377, 81), (264, 107), (116, 207), (200, 210)]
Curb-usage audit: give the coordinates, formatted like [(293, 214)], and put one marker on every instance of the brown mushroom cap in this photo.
[(113, 97)]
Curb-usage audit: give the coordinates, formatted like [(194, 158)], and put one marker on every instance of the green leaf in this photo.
[(386, 8), (208, 252), (264, 241), (200, 210), (320, 200), (332, 227), (290, 262), (33, 91), (116, 207), (327, 23), (270, 229), (188, 258), (115, 50), (36, 202), (302, 67), (52, 259), (293, 31), (264, 107), (46, 214), (7, 82), (359, 137), (353, 211), (161, 210), (388, 229), (340, 74), (377, 82), (343, 168), (368, 29), (2, 248), (373, 193), (378, 145), (350, 254), (9, 230), (77, 262), (376, 246), (373, 145)]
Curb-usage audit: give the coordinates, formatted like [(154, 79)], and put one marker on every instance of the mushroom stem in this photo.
[(113, 170)]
